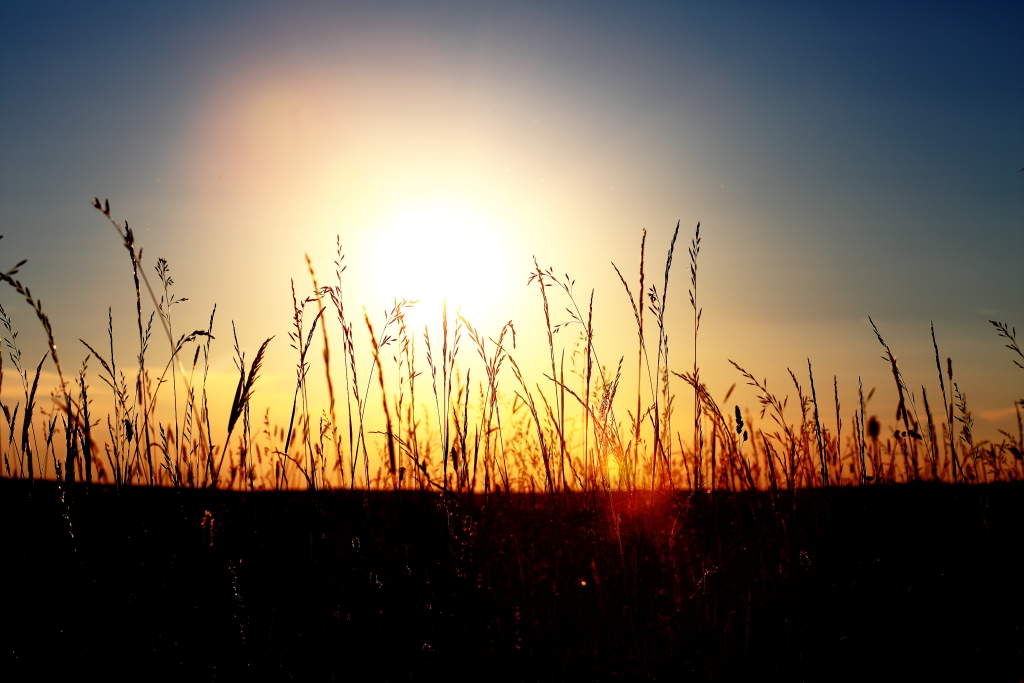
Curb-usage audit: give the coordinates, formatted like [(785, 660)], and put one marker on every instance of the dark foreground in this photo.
[(910, 582)]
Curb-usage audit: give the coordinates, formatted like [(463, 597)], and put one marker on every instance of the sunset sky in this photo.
[(844, 160)]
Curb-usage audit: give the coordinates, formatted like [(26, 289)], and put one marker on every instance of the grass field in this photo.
[(469, 418), (431, 524), (887, 582)]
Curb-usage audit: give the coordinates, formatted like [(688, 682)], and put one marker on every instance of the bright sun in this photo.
[(443, 250)]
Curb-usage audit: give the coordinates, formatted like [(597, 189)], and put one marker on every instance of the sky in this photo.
[(845, 160)]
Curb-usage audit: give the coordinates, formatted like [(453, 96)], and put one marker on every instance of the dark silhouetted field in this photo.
[(494, 526), (915, 582)]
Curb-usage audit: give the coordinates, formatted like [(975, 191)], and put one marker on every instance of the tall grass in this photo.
[(555, 433)]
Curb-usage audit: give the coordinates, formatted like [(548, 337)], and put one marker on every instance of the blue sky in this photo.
[(845, 160)]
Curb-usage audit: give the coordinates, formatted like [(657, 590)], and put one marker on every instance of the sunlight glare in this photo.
[(442, 250)]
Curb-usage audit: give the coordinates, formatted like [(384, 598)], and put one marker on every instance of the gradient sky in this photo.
[(845, 160)]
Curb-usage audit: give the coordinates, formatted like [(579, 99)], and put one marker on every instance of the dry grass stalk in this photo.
[(531, 441)]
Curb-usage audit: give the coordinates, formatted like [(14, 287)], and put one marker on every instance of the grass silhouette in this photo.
[(520, 532), (468, 448)]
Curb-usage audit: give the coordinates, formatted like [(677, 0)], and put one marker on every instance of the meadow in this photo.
[(443, 514)]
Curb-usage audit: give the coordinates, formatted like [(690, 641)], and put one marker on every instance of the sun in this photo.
[(440, 251)]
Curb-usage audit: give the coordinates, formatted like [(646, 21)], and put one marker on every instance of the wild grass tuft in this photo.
[(556, 433)]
